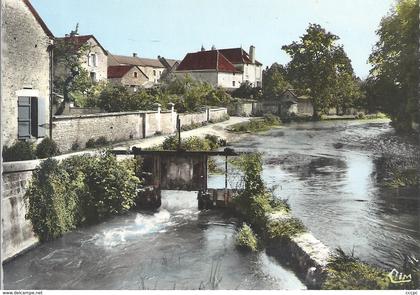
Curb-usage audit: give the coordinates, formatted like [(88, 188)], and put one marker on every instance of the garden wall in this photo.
[(115, 127)]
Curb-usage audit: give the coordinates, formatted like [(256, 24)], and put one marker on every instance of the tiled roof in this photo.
[(38, 18), (206, 60), (116, 60), (121, 70), (151, 62), (237, 56), (79, 40)]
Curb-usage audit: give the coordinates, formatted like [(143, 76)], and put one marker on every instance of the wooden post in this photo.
[(178, 127), (226, 181)]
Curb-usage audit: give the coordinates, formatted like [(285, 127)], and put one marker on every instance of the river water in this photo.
[(330, 173)]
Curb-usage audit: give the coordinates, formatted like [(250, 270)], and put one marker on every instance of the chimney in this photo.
[(134, 54), (202, 48), (252, 53), (213, 47)]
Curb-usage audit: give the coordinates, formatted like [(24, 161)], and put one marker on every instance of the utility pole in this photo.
[(178, 128)]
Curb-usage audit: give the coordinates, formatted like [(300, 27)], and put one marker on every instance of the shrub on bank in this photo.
[(285, 228), (246, 239), (346, 272), (78, 190), (47, 148), (257, 125), (20, 151)]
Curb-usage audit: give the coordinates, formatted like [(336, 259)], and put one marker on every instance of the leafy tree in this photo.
[(394, 77), (247, 91), (319, 67), (274, 81), (71, 78)]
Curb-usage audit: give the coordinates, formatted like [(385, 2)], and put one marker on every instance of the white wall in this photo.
[(252, 73), (101, 68), (226, 80)]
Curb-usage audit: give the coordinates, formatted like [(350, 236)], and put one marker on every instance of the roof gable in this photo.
[(115, 60), (121, 70), (38, 18), (79, 40), (206, 60), (237, 56)]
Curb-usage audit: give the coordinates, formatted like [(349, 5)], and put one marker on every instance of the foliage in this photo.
[(321, 69), (346, 272), (68, 56), (248, 92), (47, 148), (101, 141), (275, 82), (246, 239), (285, 228), (52, 201), (394, 77), (193, 143), (79, 190), (19, 151), (256, 125)]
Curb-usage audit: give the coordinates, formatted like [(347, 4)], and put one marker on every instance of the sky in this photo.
[(172, 28)]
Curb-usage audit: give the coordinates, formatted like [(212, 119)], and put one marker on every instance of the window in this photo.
[(31, 117), (92, 60), (93, 76), (233, 83), (135, 74), (154, 72)]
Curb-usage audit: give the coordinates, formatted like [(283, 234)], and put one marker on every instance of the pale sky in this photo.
[(172, 28)]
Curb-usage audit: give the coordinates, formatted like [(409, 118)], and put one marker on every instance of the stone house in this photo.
[(127, 75), (212, 67), (26, 73), (246, 63), (290, 103), (152, 68), (95, 62), (226, 68)]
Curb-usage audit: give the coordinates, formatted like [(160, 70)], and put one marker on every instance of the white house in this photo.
[(226, 68), (212, 67)]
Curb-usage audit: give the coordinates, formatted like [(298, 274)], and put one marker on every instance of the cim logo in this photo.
[(398, 277)]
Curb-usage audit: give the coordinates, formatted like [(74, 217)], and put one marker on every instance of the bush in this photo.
[(75, 146), (345, 272), (246, 239), (101, 141), (47, 148), (285, 228), (20, 151), (90, 143), (257, 125), (79, 190), (52, 201)]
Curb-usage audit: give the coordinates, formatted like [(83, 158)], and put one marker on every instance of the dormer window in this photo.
[(92, 60)]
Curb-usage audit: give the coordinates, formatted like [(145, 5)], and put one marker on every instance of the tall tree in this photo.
[(319, 68), (70, 76), (274, 81), (394, 77)]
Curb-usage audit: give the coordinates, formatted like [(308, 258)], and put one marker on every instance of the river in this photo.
[(328, 171)]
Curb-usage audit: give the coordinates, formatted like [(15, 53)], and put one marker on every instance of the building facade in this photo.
[(212, 67), (26, 73), (130, 76), (226, 68), (95, 61)]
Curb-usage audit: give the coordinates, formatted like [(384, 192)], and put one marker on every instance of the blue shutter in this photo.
[(24, 117)]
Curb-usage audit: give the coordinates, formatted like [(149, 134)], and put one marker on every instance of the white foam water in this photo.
[(177, 206)]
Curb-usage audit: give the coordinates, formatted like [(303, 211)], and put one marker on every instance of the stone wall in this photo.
[(244, 109), (68, 130), (26, 59), (124, 126), (217, 115), (17, 231)]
